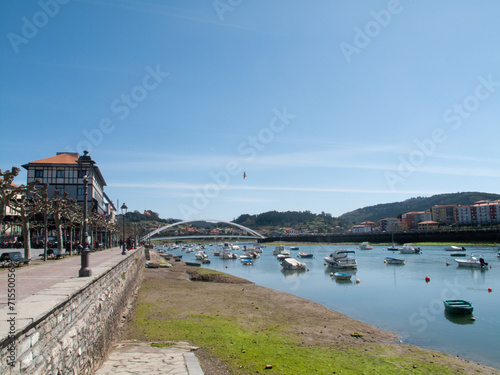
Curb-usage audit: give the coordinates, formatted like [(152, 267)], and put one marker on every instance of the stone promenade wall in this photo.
[(68, 328)]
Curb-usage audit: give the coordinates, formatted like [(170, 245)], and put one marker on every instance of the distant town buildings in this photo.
[(480, 213), (390, 224)]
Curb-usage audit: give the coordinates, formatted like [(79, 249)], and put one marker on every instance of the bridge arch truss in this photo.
[(252, 233)]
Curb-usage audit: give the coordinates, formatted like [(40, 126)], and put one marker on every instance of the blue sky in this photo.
[(325, 105)]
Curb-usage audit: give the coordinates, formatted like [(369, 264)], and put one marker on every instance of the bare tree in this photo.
[(27, 205), (7, 192)]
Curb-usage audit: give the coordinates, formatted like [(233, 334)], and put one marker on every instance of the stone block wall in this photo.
[(73, 334)]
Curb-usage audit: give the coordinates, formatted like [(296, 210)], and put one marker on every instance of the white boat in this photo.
[(294, 248), (200, 255), (365, 246), (278, 249), (235, 247), (227, 255), (409, 249), (472, 262), (340, 259), (249, 255), (454, 248), (283, 256), (292, 264), (390, 260)]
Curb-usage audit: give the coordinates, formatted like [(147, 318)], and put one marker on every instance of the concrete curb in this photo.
[(192, 364)]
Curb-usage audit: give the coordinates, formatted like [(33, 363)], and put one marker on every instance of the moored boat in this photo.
[(305, 255), (292, 264), (458, 306), (342, 276), (341, 259), (278, 249), (409, 249), (454, 248), (472, 262), (365, 246), (393, 247), (200, 255), (389, 260), (294, 248)]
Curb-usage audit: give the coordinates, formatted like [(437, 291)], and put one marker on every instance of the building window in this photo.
[(38, 173), (79, 191), (81, 174), (60, 174)]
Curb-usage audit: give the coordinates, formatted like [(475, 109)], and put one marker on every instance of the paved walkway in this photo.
[(37, 277), (141, 358), (124, 357)]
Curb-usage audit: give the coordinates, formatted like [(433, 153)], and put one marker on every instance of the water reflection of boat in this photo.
[(289, 274), (459, 319)]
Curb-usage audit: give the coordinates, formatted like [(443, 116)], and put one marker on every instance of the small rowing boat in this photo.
[(458, 306), (342, 276)]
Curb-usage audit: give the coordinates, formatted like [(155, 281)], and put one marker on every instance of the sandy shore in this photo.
[(312, 323)]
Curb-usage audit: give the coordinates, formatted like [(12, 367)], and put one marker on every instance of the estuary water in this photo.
[(394, 297)]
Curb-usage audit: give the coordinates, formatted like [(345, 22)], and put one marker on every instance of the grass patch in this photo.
[(247, 349)]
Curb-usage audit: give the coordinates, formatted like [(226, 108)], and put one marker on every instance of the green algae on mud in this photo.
[(258, 327), (247, 351)]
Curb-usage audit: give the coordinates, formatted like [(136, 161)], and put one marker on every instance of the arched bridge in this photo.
[(252, 233)]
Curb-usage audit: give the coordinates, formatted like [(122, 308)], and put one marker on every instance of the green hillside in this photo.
[(396, 209)]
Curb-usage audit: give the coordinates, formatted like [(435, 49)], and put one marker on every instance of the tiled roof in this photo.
[(58, 159)]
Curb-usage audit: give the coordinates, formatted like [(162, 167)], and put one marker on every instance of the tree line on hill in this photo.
[(307, 219), (370, 213), (396, 209)]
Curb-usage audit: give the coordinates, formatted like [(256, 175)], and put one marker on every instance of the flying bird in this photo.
[(244, 175)]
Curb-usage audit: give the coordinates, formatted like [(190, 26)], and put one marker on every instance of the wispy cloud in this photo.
[(199, 187), (174, 12), (373, 158)]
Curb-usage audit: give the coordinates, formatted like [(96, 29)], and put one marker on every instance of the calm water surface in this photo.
[(393, 297)]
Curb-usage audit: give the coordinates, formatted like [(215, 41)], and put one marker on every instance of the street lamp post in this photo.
[(124, 211), (85, 161)]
